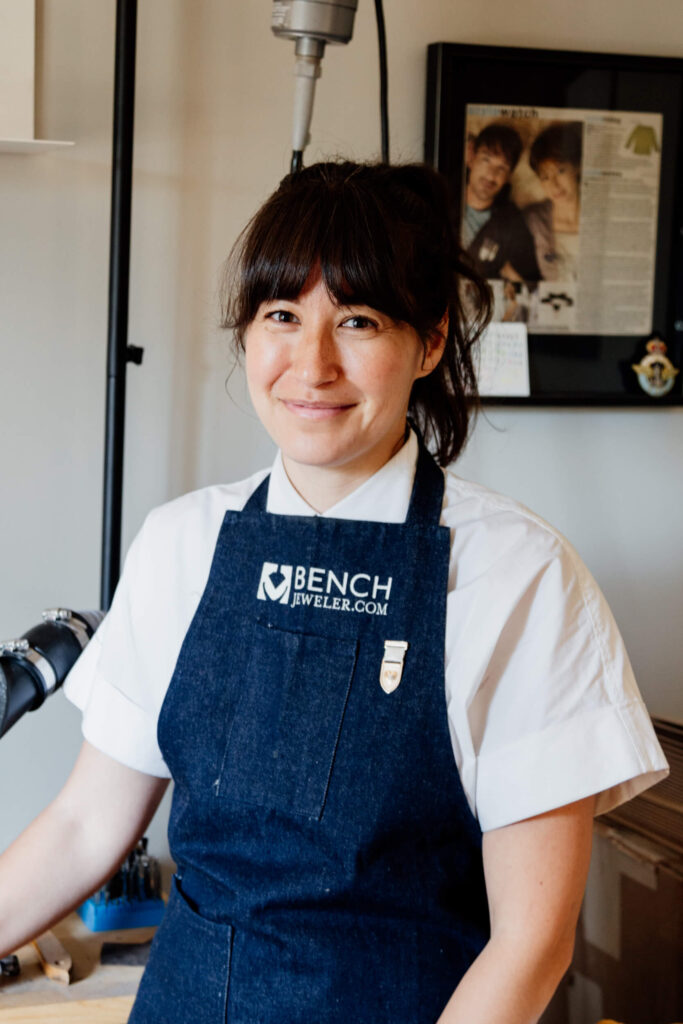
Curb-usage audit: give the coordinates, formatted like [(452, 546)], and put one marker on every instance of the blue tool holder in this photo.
[(121, 913)]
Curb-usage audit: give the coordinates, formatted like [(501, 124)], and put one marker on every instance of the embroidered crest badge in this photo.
[(656, 373)]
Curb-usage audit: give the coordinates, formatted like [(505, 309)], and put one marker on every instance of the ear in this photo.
[(434, 347)]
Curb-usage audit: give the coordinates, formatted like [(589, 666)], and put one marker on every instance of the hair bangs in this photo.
[(278, 259), (357, 273), (319, 228)]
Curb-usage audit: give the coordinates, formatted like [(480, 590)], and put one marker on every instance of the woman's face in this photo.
[(560, 180), (331, 384)]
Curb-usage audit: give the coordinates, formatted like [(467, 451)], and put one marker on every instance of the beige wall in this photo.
[(212, 134)]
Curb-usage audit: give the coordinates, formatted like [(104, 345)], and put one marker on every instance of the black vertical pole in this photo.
[(119, 263)]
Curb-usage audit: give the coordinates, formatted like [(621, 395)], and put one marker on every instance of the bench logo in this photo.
[(275, 583), (324, 588)]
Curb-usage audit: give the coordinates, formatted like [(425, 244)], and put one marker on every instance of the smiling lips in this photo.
[(315, 410)]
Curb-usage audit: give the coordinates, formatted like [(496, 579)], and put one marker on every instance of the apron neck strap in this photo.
[(257, 501), (425, 501), (427, 497)]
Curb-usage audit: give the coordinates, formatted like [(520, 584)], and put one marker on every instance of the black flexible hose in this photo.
[(383, 80), (56, 644)]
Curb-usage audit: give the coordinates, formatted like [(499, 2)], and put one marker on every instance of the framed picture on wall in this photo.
[(567, 175)]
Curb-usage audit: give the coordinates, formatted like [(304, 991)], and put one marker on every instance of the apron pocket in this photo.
[(283, 737), (186, 978), (328, 969)]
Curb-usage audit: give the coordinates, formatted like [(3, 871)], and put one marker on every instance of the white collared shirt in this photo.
[(541, 701)]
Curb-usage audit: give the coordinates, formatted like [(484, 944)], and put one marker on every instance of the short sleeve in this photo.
[(121, 679), (107, 682), (543, 706)]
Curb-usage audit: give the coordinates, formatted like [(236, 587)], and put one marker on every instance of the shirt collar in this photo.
[(383, 498)]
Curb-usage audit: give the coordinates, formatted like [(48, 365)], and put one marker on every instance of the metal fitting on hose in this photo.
[(36, 664)]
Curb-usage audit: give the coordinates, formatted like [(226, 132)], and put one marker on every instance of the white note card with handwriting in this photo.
[(504, 361)]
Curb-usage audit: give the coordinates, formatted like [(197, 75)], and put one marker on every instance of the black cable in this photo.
[(383, 80), (297, 161)]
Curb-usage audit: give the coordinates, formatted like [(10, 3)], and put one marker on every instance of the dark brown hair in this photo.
[(382, 237), (500, 138), (560, 142)]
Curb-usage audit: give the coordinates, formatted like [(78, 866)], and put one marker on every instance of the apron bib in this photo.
[(329, 867)]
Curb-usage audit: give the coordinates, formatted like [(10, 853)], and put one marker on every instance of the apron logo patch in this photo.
[(275, 583), (323, 588)]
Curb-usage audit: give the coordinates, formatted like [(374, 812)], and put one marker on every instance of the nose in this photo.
[(314, 360)]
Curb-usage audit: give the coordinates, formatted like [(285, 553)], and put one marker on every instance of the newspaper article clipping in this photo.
[(559, 212)]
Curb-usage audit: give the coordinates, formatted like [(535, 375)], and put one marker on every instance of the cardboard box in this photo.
[(628, 960)]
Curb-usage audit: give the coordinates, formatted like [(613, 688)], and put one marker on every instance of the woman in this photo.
[(555, 157), (353, 665)]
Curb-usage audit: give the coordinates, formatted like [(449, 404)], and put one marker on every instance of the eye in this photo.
[(359, 323), (281, 316)]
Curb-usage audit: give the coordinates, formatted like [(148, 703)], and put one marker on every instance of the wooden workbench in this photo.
[(96, 995)]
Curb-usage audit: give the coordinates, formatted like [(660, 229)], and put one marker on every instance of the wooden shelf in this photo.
[(31, 145)]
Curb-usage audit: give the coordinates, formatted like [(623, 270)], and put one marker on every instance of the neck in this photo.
[(322, 487)]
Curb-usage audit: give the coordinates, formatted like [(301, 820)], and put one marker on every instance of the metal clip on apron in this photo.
[(329, 867)]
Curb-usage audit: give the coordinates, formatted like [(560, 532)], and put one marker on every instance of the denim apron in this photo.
[(329, 867)]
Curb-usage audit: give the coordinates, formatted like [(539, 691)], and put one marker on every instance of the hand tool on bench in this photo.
[(54, 959)]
